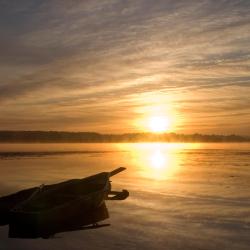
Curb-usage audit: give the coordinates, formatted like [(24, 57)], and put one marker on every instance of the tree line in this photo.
[(91, 137)]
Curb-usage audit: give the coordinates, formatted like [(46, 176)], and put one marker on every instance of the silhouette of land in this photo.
[(92, 137)]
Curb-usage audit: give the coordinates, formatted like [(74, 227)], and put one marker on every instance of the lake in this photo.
[(182, 195)]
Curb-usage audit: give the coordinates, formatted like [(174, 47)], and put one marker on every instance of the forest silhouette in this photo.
[(93, 137)]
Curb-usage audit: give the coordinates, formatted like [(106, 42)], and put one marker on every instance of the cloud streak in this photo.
[(69, 57)]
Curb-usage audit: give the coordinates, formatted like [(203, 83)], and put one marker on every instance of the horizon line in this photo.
[(127, 133)]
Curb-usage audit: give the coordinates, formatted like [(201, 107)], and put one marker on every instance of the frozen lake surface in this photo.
[(182, 196)]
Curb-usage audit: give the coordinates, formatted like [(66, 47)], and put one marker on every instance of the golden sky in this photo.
[(113, 66)]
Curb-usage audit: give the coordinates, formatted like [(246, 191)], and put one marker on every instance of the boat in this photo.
[(42, 211)]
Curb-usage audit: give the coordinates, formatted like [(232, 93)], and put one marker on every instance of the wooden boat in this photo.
[(42, 211)]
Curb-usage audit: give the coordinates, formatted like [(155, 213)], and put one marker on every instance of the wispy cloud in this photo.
[(76, 61)]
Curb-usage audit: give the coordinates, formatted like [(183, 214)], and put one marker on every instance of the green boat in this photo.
[(45, 210)]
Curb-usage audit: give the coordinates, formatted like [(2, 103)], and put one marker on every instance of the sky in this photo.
[(110, 66)]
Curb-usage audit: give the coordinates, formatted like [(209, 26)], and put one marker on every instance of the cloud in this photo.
[(91, 53)]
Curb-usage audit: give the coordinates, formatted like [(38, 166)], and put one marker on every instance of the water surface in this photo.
[(182, 196)]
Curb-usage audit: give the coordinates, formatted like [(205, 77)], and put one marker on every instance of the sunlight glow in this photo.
[(162, 162), (158, 160), (159, 124)]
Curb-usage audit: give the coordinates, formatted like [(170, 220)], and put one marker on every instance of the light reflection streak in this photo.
[(162, 163), (157, 161)]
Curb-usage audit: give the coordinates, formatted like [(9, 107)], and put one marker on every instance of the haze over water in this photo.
[(182, 196)]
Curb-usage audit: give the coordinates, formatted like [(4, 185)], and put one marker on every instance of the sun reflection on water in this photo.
[(162, 163), (156, 161)]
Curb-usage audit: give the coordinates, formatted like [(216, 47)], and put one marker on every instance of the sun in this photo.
[(159, 124)]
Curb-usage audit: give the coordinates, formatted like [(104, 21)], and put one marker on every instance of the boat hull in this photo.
[(66, 206), (49, 210), (47, 225), (75, 186)]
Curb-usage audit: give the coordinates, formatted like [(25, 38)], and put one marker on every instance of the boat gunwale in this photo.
[(79, 197)]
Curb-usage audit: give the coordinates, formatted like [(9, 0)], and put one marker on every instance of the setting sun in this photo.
[(159, 124)]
